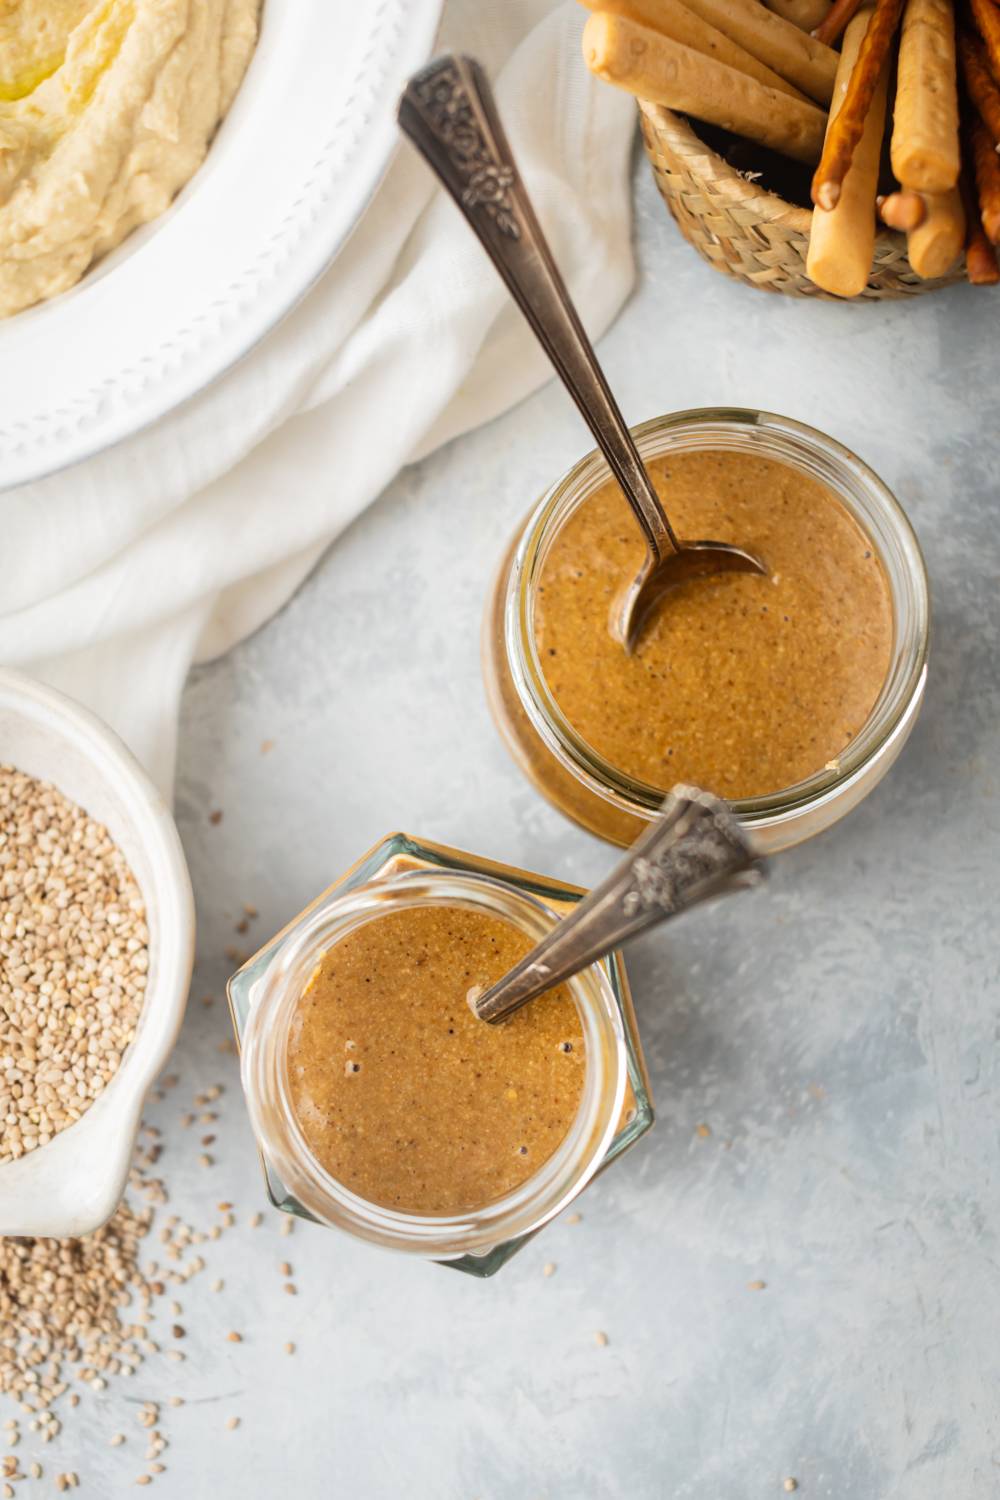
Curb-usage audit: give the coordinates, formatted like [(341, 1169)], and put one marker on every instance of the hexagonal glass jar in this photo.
[(615, 1108)]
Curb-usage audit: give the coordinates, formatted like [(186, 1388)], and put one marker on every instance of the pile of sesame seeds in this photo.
[(82, 1316), (73, 961)]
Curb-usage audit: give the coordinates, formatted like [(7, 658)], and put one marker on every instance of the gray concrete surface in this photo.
[(837, 1034)]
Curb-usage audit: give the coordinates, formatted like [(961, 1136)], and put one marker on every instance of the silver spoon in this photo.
[(696, 849), (448, 111)]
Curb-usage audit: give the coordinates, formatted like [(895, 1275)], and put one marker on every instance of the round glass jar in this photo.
[(600, 796), (265, 1074)]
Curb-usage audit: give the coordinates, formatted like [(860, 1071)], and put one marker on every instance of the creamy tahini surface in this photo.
[(742, 684)]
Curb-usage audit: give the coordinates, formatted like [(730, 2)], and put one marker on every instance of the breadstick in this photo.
[(903, 210), (841, 12), (987, 19), (842, 239), (925, 149), (981, 266), (653, 67), (806, 14), (979, 81), (791, 52), (936, 243), (673, 19), (986, 164), (847, 126)]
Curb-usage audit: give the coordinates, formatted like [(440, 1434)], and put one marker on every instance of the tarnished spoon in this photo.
[(695, 849), (449, 113)]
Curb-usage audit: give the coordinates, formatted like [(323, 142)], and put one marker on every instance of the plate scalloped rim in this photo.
[(161, 345)]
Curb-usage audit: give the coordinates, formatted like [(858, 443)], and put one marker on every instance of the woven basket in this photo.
[(748, 232)]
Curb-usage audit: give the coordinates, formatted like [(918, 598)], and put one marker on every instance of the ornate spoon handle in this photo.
[(694, 850), (449, 114)]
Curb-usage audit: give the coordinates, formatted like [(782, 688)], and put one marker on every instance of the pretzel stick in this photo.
[(936, 243), (653, 67), (987, 169), (981, 266), (903, 210), (806, 14), (979, 81), (842, 239), (847, 126), (987, 19), (672, 18), (829, 30), (925, 151), (791, 52)]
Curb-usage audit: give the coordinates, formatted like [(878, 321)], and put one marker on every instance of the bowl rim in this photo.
[(101, 1142), (184, 299)]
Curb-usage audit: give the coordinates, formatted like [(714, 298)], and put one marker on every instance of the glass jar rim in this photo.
[(869, 501), (541, 1196)]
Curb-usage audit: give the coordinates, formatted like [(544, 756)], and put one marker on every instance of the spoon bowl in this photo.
[(658, 575)]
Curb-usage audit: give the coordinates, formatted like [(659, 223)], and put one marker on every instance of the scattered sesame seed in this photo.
[(175, 1401), (575, 1219), (217, 1286), (288, 1226), (291, 1289), (601, 1340), (255, 1220), (232, 1423), (8, 1492), (756, 1286), (549, 1269), (204, 1160), (144, 1479), (117, 1440), (235, 1338), (703, 1130), (790, 1485), (289, 1348)]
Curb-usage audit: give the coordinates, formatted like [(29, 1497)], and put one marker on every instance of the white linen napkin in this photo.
[(173, 546)]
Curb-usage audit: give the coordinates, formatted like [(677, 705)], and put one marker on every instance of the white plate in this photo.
[(287, 178)]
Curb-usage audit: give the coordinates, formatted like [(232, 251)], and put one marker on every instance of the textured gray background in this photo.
[(837, 1032)]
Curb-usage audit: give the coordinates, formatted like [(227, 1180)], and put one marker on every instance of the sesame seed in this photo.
[(289, 1348), (549, 1269), (117, 1440), (291, 1289), (601, 1340), (232, 1423), (575, 1219), (790, 1485), (235, 1338), (756, 1286)]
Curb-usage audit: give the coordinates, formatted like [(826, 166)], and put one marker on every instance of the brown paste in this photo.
[(401, 1093), (742, 684)]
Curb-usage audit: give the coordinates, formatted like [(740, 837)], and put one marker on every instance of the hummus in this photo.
[(107, 107)]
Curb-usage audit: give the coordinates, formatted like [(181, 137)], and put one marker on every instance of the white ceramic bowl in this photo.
[(288, 176), (73, 1184)]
